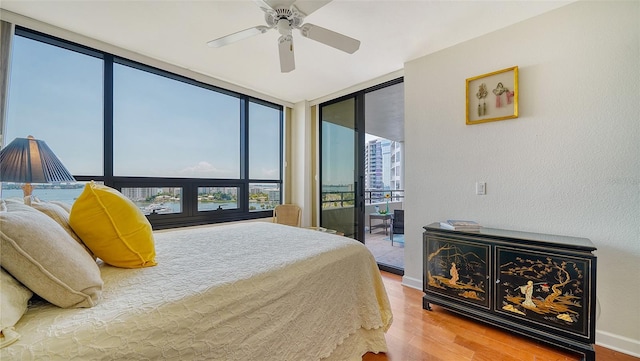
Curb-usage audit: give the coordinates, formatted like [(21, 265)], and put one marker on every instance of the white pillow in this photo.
[(14, 299)]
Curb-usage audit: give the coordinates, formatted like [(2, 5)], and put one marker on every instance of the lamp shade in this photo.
[(29, 160)]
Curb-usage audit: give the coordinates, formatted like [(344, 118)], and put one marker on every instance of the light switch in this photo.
[(481, 188)]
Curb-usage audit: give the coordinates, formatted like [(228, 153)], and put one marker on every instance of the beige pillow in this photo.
[(41, 255), (19, 206), (14, 299), (14, 202), (63, 205), (61, 216)]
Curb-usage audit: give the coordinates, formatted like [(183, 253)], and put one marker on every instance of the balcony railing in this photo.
[(341, 199)]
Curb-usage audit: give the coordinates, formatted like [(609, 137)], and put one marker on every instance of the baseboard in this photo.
[(618, 343), (412, 282)]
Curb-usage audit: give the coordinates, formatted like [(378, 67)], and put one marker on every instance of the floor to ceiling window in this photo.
[(185, 152)]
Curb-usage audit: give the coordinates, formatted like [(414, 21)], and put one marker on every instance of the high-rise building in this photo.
[(373, 165), (395, 162), (383, 165), (386, 162)]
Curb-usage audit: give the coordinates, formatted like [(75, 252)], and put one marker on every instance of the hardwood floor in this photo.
[(439, 335)]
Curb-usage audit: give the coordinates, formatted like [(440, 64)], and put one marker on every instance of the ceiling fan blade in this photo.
[(285, 48), (265, 6), (309, 6), (273, 4), (331, 38), (240, 35)]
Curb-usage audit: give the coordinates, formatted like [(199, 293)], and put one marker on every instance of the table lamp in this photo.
[(29, 160)]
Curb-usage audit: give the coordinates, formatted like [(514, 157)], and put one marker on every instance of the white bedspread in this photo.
[(252, 291)]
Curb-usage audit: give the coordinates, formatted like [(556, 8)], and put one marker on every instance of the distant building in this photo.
[(140, 194), (274, 195), (383, 166), (373, 167), (395, 163), (386, 164)]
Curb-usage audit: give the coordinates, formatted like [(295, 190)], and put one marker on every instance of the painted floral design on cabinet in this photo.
[(543, 288), (458, 269)]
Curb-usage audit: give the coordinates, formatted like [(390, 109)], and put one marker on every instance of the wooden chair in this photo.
[(288, 214)]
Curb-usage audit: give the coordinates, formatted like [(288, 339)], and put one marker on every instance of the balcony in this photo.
[(337, 214)]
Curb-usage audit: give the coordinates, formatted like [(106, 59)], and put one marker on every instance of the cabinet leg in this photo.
[(426, 305), (590, 355)]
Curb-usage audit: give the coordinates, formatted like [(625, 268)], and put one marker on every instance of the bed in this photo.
[(248, 291)]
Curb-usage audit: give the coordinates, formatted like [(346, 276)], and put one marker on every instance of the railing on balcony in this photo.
[(341, 199)]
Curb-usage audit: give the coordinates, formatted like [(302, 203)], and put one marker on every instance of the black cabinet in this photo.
[(538, 285)]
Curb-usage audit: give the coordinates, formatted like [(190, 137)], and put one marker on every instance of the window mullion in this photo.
[(108, 120), (244, 154)]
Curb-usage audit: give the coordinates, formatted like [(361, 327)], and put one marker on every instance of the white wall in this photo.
[(569, 165)]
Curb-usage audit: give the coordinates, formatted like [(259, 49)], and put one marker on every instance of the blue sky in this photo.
[(57, 97), (337, 154), (162, 127)]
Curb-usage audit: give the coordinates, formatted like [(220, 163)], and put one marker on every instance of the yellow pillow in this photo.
[(113, 228)]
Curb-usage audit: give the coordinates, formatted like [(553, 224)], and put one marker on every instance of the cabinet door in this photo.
[(545, 290), (458, 270)]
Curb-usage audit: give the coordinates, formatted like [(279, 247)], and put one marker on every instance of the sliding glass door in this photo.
[(341, 167), (358, 169)]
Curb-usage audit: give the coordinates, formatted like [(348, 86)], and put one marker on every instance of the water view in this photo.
[(161, 205)]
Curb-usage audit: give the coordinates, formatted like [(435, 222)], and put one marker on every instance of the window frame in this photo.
[(190, 214)]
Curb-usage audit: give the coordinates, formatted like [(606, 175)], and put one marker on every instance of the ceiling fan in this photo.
[(286, 16)]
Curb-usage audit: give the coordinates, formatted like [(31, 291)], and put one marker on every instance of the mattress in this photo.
[(250, 291)]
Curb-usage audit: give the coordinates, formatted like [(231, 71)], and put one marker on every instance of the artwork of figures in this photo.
[(481, 94), (499, 91), (504, 87), (543, 289), (458, 269), (527, 290)]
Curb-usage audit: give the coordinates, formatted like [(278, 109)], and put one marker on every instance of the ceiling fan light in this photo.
[(284, 27)]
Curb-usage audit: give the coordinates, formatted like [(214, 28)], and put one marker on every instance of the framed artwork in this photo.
[(492, 96)]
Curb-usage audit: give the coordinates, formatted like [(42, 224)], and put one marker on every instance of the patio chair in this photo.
[(397, 223), (289, 214)]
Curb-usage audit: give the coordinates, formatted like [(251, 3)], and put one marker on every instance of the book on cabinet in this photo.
[(457, 225)]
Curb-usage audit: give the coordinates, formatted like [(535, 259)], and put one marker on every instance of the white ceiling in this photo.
[(391, 33)]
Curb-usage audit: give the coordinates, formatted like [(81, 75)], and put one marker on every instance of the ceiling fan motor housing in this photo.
[(284, 18)]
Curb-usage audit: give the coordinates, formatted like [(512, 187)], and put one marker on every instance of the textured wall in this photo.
[(569, 165)]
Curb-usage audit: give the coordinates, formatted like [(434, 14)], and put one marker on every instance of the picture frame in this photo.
[(493, 96)]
